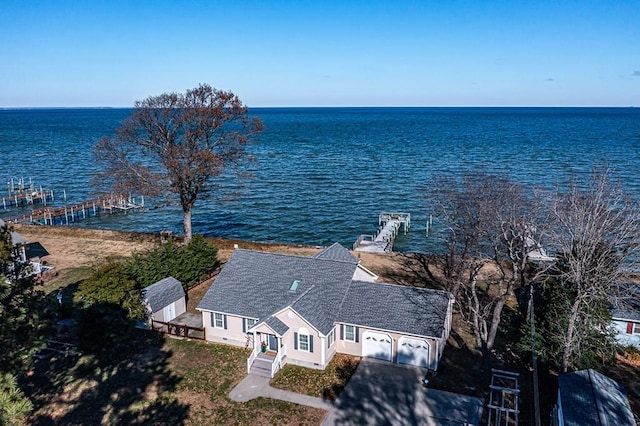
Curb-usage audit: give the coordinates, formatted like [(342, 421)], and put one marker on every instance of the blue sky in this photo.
[(322, 53)]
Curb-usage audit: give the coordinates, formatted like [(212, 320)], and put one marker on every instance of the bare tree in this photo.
[(490, 232), (176, 143), (596, 236)]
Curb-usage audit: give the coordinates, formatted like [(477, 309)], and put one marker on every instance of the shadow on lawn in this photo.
[(343, 373), (416, 269), (119, 375)]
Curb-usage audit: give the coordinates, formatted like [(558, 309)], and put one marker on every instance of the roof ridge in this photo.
[(596, 395), (333, 260), (344, 296), (273, 253), (304, 293)]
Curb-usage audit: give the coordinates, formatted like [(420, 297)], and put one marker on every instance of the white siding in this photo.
[(623, 337)]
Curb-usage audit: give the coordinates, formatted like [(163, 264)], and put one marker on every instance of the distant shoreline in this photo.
[(350, 107)]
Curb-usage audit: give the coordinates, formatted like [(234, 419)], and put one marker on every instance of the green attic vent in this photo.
[(294, 286)]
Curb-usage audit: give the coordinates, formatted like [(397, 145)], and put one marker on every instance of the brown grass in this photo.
[(175, 382), (204, 376), (326, 384)]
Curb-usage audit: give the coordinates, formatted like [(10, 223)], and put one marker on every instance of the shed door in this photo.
[(414, 352), (169, 312), (376, 345)]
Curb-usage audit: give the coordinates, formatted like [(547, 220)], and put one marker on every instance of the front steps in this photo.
[(262, 365)]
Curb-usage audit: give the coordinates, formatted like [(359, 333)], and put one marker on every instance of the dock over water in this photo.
[(21, 193), (69, 214), (389, 225)]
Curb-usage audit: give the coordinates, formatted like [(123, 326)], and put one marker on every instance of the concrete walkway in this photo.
[(252, 387)]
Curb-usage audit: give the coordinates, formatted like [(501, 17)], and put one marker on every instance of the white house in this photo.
[(626, 319)]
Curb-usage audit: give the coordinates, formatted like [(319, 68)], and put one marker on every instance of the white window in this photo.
[(218, 320), (303, 342), (350, 333), (331, 337), (636, 328), (251, 322)]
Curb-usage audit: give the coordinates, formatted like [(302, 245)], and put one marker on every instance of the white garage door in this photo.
[(413, 351), (376, 345)]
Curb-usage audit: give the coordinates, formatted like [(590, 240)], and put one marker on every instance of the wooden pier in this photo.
[(389, 225), (20, 193), (70, 214)]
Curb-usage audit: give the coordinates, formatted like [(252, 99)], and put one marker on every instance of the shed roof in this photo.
[(163, 293), (589, 397)]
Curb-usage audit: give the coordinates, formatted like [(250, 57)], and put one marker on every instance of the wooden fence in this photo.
[(181, 330)]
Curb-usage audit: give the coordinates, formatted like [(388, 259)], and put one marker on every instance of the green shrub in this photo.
[(189, 264), (112, 284)]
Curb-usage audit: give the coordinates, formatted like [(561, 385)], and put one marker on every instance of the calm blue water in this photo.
[(324, 174)]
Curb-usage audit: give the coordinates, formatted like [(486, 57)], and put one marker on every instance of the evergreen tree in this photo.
[(22, 323), (111, 284)]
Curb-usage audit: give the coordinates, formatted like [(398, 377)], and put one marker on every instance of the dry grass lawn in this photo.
[(204, 376)]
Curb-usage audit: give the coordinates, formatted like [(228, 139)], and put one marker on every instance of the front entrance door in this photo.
[(273, 343)]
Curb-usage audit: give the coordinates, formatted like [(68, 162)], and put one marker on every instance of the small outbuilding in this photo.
[(586, 397), (625, 316), (165, 299)]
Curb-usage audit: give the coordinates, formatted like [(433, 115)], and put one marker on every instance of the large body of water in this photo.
[(324, 174)]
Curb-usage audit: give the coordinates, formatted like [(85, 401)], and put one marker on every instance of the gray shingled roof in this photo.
[(337, 253), (256, 284), (163, 293), (276, 325), (320, 305), (398, 308), (628, 308), (589, 397)]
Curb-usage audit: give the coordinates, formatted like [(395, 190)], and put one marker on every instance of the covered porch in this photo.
[(269, 351)]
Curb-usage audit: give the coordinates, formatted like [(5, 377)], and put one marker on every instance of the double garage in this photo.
[(410, 350)]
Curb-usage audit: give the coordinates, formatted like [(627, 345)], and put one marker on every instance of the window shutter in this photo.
[(244, 325), (310, 343), (328, 345), (224, 321), (341, 331), (357, 331), (295, 341), (213, 319), (629, 328)]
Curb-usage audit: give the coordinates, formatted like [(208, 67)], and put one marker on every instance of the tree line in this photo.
[(569, 252)]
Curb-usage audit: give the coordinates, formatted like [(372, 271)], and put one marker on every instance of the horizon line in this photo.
[(4, 108)]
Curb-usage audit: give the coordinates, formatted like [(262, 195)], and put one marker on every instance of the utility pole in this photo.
[(534, 360)]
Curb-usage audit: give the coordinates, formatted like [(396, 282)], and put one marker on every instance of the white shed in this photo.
[(165, 300)]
